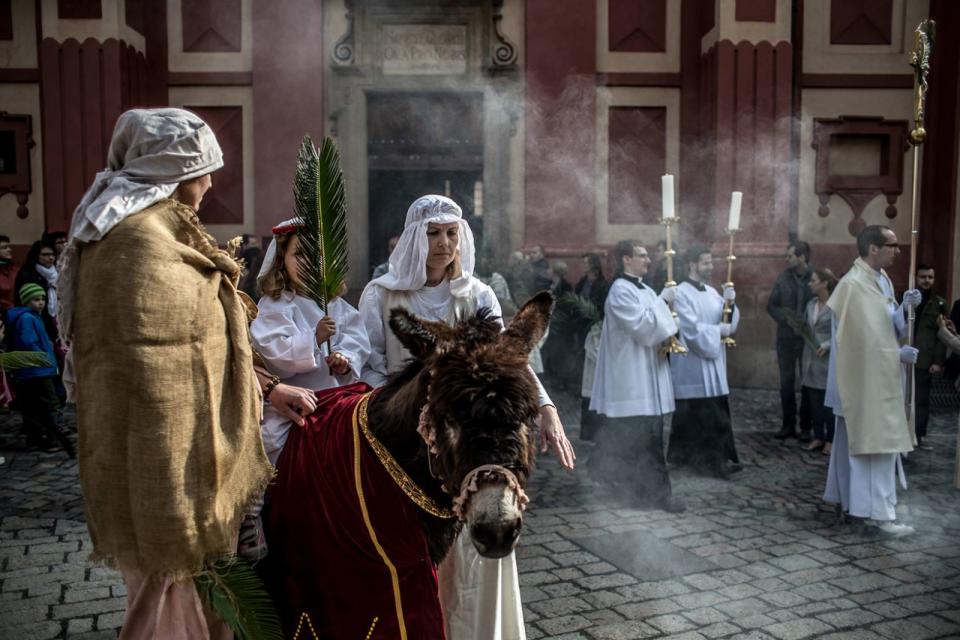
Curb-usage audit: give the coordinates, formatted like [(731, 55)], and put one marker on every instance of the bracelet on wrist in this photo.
[(274, 381)]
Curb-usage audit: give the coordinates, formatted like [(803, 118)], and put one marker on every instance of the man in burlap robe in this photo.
[(168, 405)]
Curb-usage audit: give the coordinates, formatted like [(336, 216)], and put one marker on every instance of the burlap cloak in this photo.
[(868, 365), (168, 405)]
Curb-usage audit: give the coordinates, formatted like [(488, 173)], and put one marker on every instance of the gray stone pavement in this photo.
[(759, 556)]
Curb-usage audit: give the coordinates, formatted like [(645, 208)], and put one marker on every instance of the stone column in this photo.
[(93, 66)]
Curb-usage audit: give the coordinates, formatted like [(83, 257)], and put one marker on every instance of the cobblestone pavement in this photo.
[(759, 556)]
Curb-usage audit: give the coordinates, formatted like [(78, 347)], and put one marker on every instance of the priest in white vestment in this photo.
[(632, 386), (865, 386), (701, 433)]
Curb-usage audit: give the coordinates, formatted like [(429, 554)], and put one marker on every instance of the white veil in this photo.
[(408, 261)]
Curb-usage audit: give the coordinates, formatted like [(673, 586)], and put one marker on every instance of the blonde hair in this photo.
[(275, 280)]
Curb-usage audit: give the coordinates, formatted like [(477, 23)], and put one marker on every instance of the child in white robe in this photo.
[(290, 334)]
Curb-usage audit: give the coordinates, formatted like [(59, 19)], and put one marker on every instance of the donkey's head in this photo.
[(478, 422)]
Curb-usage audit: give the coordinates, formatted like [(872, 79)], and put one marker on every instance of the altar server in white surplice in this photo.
[(632, 385), (865, 385), (701, 435)]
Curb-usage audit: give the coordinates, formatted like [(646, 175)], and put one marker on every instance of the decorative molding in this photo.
[(637, 26), (210, 78), (343, 49), (211, 26), (756, 11), (638, 79), (18, 76), (856, 81), (16, 140), (858, 190), (860, 22), (224, 202), (504, 54), (79, 9)]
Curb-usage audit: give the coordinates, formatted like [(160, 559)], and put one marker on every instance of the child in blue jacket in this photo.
[(35, 386)]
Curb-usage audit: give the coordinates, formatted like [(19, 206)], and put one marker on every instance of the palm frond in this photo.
[(799, 326), (320, 204), (233, 590), (574, 312), (12, 360)]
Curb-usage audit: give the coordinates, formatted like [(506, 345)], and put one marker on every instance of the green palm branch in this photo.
[(12, 360), (573, 312), (231, 588), (320, 204), (799, 326)]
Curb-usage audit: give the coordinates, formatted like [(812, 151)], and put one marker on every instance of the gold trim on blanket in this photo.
[(404, 481), (358, 481)]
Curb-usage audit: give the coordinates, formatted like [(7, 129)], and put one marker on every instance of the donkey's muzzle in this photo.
[(496, 539)]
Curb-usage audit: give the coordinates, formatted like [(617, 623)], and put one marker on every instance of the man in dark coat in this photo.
[(787, 302), (933, 353)]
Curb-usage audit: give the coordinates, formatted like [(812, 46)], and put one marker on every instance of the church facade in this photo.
[(550, 121)]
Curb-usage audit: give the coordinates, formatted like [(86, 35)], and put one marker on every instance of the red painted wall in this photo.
[(939, 174), (560, 115), (84, 88), (288, 68)]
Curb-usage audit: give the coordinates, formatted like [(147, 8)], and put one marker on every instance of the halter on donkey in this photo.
[(363, 508)]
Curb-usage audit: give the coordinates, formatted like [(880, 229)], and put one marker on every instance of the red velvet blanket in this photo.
[(352, 556)]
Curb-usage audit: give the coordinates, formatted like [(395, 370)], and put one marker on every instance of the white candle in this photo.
[(736, 199), (668, 210)]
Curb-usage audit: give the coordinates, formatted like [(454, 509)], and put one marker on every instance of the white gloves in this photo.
[(908, 354), (729, 295), (725, 329), (912, 298), (669, 294)]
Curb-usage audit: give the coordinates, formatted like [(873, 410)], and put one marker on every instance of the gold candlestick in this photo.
[(672, 345), (728, 306)]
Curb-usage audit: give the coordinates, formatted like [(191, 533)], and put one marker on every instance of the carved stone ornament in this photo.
[(343, 50), (16, 140), (504, 54), (884, 139)]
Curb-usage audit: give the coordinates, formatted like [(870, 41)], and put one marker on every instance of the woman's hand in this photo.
[(821, 351), (946, 323), (552, 436), (338, 363), (293, 402), (325, 329)]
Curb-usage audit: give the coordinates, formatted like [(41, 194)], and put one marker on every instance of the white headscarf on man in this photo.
[(408, 261), (151, 152)]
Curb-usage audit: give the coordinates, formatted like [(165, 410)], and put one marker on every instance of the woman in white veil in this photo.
[(431, 274)]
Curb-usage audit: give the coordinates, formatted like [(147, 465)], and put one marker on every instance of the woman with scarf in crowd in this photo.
[(40, 268), (431, 275)]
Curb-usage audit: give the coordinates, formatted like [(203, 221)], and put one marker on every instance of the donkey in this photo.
[(454, 431)]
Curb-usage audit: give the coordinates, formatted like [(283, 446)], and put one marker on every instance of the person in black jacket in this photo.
[(788, 300)]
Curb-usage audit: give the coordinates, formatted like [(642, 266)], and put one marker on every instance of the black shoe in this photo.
[(805, 436), (734, 467), (784, 433)]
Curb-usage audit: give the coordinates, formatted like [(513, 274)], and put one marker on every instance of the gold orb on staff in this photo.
[(671, 345), (736, 200)]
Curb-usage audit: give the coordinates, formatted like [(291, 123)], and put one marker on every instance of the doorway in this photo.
[(421, 143)]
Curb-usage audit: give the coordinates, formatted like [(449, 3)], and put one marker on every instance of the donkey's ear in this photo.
[(530, 324), (420, 337)]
